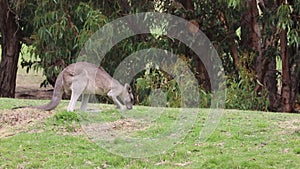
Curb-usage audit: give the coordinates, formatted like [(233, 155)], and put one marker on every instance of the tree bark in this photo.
[(294, 53), (11, 47), (271, 83), (286, 78), (188, 4), (295, 76), (251, 40), (255, 41), (270, 44)]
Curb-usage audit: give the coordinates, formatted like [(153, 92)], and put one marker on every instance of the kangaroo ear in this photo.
[(127, 87)]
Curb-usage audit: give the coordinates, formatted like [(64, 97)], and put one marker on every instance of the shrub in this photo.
[(156, 87), (240, 92)]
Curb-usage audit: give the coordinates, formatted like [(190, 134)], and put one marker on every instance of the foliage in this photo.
[(156, 83), (240, 95), (240, 92), (237, 29), (60, 30), (155, 80)]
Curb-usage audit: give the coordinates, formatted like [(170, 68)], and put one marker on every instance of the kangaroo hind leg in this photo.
[(84, 102)]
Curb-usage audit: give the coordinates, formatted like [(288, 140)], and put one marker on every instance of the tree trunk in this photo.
[(251, 40), (271, 83), (286, 78), (265, 64), (188, 4), (270, 45), (294, 53), (295, 75), (10, 50), (255, 37)]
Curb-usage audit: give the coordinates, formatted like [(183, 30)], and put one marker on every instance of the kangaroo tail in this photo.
[(56, 97)]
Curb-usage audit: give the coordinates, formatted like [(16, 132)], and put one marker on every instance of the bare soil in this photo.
[(18, 120), (114, 129), (28, 86)]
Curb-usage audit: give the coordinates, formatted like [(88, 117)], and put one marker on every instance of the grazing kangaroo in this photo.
[(84, 79)]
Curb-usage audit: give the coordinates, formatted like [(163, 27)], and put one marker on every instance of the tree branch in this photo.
[(70, 21), (27, 41)]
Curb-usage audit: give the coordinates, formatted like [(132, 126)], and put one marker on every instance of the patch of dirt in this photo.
[(111, 130), (289, 126), (33, 93), (28, 86), (15, 121), (161, 163)]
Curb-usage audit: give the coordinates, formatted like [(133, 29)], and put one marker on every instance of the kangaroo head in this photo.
[(127, 96)]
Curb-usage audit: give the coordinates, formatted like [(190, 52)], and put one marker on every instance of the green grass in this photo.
[(243, 139)]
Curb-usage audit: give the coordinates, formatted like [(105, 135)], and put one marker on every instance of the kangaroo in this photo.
[(83, 78)]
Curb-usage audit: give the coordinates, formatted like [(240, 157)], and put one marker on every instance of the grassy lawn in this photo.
[(58, 139)]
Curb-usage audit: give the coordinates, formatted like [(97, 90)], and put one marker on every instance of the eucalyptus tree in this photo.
[(15, 17), (257, 40), (54, 30)]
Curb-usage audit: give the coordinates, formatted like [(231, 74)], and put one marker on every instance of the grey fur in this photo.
[(83, 78)]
